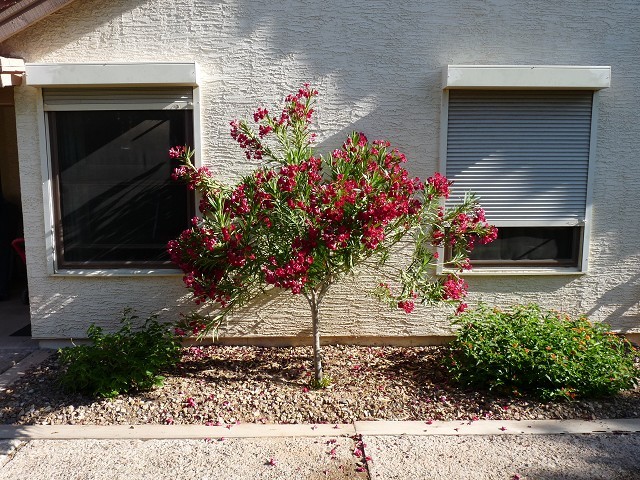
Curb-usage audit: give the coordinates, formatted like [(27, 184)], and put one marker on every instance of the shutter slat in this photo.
[(160, 98), (524, 153)]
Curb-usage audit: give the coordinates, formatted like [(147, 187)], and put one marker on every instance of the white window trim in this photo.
[(114, 74), (502, 77), (100, 75), (534, 77), (513, 272)]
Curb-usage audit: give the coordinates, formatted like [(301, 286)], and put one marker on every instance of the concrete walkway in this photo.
[(369, 450)]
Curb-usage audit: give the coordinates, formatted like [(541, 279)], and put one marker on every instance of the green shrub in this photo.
[(119, 362), (544, 353)]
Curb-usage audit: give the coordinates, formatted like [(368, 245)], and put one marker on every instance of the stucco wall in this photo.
[(378, 67)]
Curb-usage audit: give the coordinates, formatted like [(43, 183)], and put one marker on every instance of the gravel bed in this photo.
[(222, 385)]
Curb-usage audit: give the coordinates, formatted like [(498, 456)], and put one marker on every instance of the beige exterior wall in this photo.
[(378, 66)]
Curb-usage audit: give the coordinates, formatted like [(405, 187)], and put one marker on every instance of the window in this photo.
[(524, 147), (114, 203), (531, 246)]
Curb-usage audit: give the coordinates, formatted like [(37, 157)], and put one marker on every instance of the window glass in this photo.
[(535, 246), (116, 202)]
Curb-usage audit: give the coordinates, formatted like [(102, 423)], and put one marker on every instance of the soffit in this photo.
[(16, 15)]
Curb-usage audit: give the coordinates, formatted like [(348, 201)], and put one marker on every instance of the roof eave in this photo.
[(25, 13)]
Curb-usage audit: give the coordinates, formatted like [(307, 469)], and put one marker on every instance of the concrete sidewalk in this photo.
[(369, 450)]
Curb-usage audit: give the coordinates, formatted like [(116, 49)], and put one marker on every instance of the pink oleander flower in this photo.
[(461, 308), (264, 130), (439, 185), (406, 305), (489, 237), (259, 114), (454, 288), (177, 152)]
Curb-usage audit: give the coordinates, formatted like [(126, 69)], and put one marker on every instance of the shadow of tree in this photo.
[(292, 369), (601, 456)]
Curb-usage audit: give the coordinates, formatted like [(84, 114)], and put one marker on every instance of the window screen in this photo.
[(116, 204)]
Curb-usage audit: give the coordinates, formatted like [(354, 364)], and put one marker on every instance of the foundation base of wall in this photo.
[(294, 341), (289, 341), (298, 341)]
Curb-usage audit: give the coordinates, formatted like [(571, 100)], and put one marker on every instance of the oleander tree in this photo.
[(300, 222)]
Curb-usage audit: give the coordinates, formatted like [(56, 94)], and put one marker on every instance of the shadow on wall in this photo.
[(65, 28), (264, 307), (74, 302), (555, 292), (523, 289), (622, 317)]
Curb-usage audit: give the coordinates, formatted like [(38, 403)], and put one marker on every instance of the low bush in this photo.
[(544, 353), (119, 362)]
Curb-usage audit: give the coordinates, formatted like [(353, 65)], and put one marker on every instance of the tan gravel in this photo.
[(227, 385)]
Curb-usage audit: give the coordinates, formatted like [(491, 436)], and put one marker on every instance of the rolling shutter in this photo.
[(76, 99), (524, 153)]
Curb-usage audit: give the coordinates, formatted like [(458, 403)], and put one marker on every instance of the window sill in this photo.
[(119, 272), (495, 271)]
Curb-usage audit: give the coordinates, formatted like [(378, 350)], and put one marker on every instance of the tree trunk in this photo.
[(314, 303)]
